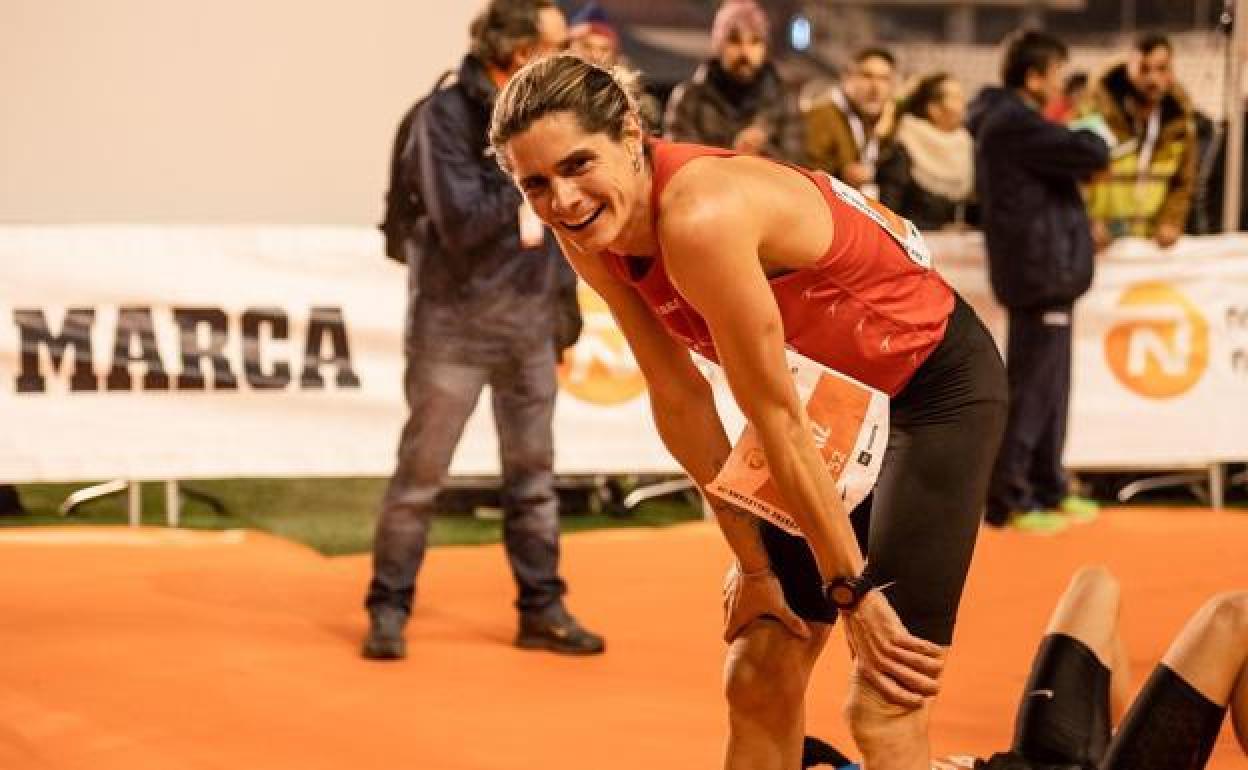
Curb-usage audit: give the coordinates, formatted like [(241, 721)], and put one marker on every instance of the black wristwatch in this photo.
[(844, 593)]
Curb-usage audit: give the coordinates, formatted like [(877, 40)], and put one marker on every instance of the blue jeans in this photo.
[(441, 395)]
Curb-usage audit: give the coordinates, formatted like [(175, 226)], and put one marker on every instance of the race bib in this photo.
[(849, 421), (899, 229)]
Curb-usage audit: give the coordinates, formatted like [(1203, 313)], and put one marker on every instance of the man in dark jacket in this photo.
[(737, 100), (482, 311), (1040, 258)]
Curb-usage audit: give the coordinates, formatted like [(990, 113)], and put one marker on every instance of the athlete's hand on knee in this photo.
[(753, 595), (903, 668)]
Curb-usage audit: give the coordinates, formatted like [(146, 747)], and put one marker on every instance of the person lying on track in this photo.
[(1079, 678)]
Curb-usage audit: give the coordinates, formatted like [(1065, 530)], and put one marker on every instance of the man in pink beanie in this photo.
[(736, 100)]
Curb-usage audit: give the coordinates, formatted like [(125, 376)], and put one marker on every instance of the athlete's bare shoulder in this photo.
[(707, 193)]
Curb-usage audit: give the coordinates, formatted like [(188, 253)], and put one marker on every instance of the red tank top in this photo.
[(871, 307)]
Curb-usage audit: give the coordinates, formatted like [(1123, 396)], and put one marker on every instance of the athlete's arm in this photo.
[(680, 399), (711, 251), (711, 236)]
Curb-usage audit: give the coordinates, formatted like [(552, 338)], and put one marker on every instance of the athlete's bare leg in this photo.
[(895, 738), (765, 680), (1089, 612), (1210, 653), (890, 737)]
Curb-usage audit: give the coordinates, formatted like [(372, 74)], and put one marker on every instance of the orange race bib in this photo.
[(849, 421)]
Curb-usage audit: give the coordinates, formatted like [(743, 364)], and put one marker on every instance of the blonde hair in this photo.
[(600, 99)]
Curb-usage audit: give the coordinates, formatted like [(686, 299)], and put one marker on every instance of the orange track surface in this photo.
[(165, 650)]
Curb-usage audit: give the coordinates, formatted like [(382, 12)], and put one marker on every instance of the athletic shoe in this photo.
[(1081, 510), (1039, 522), (996, 518), (819, 753), (385, 635), (560, 633)]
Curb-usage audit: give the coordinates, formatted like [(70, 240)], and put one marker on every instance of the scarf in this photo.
[(940, 161)]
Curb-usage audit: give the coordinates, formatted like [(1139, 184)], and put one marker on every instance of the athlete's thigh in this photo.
[(925, 516)]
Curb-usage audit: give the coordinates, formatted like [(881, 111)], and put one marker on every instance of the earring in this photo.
[(636, 163)]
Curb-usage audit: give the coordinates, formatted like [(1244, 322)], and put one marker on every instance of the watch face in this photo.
[(842, 595)]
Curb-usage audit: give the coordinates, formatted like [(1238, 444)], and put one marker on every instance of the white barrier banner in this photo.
[(179, 352), (1160, 349), (172, 352)]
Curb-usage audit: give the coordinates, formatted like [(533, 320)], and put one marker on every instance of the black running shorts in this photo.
[(1170, 726), (918, 527), (1063, 717), (1064, 720)]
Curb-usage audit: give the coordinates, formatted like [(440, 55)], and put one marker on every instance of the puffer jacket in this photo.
[(1127, 201), (711, 109), (1027, 173)]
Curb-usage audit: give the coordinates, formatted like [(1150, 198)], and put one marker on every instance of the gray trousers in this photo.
[(441, 395)]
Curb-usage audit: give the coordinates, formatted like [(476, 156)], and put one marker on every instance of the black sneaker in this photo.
[(561, 634), (385, 635)]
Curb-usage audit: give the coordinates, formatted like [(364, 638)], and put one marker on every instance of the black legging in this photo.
[(918, 527)]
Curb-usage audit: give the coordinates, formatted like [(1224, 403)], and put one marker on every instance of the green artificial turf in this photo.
[(334, 516)]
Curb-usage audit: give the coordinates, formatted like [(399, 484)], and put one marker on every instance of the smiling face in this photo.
[(585, 186)]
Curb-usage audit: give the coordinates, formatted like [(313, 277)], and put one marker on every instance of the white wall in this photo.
[(246, 111)]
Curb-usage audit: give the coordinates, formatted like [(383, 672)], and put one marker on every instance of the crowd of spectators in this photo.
[(906, 143)]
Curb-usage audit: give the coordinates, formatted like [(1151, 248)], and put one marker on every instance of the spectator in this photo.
[(1074, 101), (593, 37), (1040, 256), (845, 135), (1149, 187), (737, 100), (10, 501), (927, 174), (485, 314)]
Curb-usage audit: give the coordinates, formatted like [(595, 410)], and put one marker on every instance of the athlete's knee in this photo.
[(759, 682), (1096, 581), (1227, 615)]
